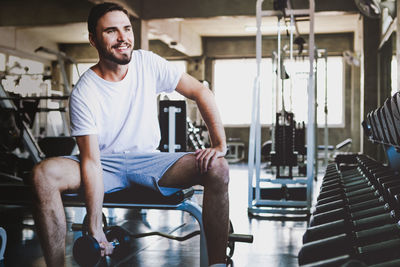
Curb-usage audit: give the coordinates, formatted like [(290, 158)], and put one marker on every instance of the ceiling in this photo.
[(333, 22), (246, 26)]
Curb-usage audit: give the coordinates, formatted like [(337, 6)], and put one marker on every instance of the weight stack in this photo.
[(283, 153)]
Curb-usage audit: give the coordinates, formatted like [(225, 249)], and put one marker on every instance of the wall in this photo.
[(20, 43)]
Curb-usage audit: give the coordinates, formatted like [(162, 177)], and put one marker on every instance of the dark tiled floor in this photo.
[(276, 241)]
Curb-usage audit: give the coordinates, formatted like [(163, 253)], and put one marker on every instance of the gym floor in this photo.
[(276, 240)]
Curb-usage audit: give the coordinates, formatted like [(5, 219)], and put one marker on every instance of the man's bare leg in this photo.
[(49, 178), (215, 201)]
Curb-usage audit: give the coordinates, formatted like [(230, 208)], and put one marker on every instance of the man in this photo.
[(113, 112)]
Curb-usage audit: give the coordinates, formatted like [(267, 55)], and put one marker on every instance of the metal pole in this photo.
[(311, 106), (315, 109), (254, 131), (278, 80), (171, 128), (291, 60), (398, 47), (326, 132)]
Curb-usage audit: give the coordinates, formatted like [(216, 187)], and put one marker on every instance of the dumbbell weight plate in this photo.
[(86, 251), (122, 238)]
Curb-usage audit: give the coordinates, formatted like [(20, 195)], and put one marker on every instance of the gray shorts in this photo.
[(127, 169)]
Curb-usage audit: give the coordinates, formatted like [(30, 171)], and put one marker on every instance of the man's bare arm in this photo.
[(92, 179), (204, 98)]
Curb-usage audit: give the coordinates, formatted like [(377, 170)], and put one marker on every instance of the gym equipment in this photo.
[(283, 153), (27, 138), (87, 251), (133, 198), (17, 193), (300, 147), (235, 150), (61, 59), (21, 115), (336, 246), (172, 121), (196, 140), (256, 204), (373, 8), (356, 215), (3, 243), (10, 129)]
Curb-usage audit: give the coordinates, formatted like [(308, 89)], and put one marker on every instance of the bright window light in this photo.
[(394, 75), (233, 85), (2, 62), (233, 82)]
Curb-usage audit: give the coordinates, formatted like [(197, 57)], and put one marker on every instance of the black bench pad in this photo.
[(20, 194)]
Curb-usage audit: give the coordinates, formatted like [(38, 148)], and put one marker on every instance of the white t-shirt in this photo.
[(123, 114)]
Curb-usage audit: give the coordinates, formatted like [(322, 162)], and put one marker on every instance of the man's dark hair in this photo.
[(100, 10)]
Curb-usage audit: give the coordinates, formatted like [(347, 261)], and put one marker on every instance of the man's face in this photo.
[(114, 37)]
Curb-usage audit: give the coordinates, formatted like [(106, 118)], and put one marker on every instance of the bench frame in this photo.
[(21, 195)]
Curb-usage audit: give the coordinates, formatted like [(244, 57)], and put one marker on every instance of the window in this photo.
[(233, 84), (394, 75), (2, 62), (25, 77), (28, 78)]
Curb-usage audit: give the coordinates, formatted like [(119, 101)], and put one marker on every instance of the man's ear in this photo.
[(92, 40)]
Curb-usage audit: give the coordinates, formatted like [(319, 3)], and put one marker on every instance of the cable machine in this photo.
[(256, 204)]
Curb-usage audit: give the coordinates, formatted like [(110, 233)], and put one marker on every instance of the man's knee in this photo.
[(43, 173), (218, 175), (55, 174)]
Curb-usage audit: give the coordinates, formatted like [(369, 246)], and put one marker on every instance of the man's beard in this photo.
[(126, 58)]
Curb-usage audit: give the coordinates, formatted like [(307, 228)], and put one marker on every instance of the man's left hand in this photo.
[(205, 158)]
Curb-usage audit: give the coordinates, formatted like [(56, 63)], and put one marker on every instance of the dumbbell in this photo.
[(359, 238), (345, 244), (357, 190), (391, 263), (342, 202), (87, 251), (359, 216), (363, 209), (354, 179), (336, 261), (341, 226), (340, 195)]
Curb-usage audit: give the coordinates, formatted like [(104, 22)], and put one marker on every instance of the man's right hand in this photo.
[(106, 247)]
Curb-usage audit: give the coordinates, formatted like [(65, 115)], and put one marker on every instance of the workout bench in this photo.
[(13, 193)]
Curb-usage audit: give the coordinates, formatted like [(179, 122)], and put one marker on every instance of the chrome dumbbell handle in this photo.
[(3, 237)]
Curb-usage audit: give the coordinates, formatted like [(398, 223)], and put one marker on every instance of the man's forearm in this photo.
[(94, 194), (209, 112)]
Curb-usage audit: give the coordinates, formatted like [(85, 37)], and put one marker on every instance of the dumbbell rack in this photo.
[(256, 204), (356, 217)]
